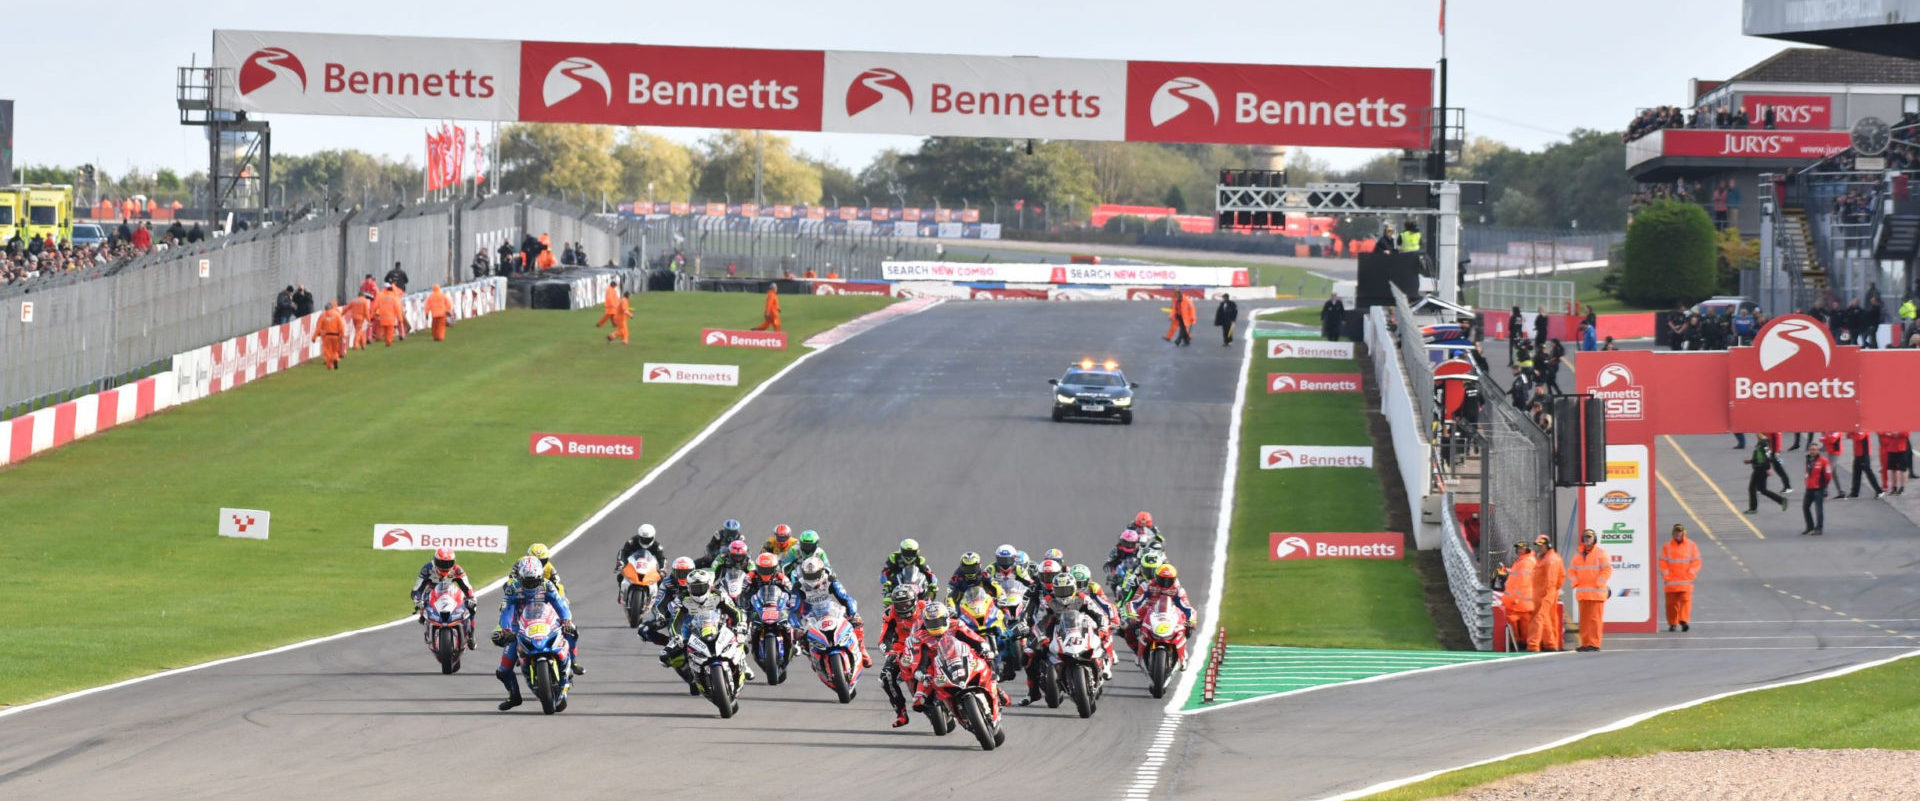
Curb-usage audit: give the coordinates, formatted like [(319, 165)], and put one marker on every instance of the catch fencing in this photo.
[(767, 248), (1472, 593), (72, 338), (1525, 294), (1516, 482), (1413, 356)]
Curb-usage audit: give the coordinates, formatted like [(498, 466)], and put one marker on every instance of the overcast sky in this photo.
[(96, 82)]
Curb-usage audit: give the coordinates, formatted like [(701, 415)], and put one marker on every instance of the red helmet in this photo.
[(782, 532), (1144, 520), (682, 566), (766, 564), (443, 561)]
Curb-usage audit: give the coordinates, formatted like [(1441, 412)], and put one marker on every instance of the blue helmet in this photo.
[(1004, 555), (1022, 559), (730, 525)]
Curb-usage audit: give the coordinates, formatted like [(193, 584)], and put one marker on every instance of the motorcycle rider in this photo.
[(735, 561), (971, 574), (729, 532), (1083, 578), (1127, 548), (1135, 580), (1008, 565), (672, 586), (1149, 533), (643, 540), (529, 587), (1165, 584), (781, 542), (700, 597), (809, 548), (443, 567), (543, 567), (1063, 595), (1038, 589), (908, 556), (896, 625), (817, 586), (936, 624)]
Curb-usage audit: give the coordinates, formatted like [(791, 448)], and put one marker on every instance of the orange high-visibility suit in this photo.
[(438, 308), (1174, 316), (1518, 600), (387, 313), (1679, 566), (772, 311), (618, 311), (1549, 575), (359, 317), (613, 294), (331, 330), (1592, 569)]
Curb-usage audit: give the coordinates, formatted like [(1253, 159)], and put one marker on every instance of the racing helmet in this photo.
[(766, 565), (936, 618), (1063, 587), (681, 567), (645, 537), (443, 561), (809, 541), (528, 573), (909, 548), (969, 564), (1055, 555), (1150, 561), (737, 553), (904, 598), (732, 526), (1143, 520), (1129, 540), (1049, 569), (1004, 556), (699, 583), (1166, 577), (782, 533), (1081, 575), (539, 551), (813, 571), (1022, 559)]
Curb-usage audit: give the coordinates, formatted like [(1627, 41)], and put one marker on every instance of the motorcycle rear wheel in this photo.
[(939, 716), (1050, 686)]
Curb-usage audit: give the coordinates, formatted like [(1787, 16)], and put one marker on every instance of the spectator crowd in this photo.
[(23, 259), (1660, 117)]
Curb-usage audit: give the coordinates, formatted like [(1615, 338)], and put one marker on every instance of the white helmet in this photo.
[(646, 533), (813, 571)]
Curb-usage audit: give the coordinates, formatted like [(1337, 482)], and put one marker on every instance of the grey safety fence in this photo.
[(81, 336), (1413, 357), (564, 224), (766, 248), (1472, 595), (1516, 483)]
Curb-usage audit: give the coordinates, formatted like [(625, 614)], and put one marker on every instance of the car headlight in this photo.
[(1127, 401), (1063, 399)]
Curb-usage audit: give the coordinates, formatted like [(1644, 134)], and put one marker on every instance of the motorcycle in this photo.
[(908, 576), (963, 692), (542, 653), (834, 653), (989, 619), (639, 580), (1122, 572), (731, 582), (714, 660), (449, 619), (1073, 664), (1163, 644), (772, 637)]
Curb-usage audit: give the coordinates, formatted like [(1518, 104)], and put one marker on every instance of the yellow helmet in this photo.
[(539, 551)]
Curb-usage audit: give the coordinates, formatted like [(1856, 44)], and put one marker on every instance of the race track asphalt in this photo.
[(932, 426)]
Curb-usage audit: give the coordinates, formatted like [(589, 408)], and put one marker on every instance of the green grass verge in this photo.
[(116, 532), (1300, 315), (1874, 708), (1327, 603)]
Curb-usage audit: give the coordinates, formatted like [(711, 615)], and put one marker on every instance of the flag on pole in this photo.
[(433, 161), (1443, 17), (479, 159)]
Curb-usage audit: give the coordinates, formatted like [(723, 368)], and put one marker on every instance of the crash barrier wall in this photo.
[(1410, 449), (574, 289), (1415, 361), (1516, 482), (766, 248), (85, 336), (204, 371), (1471, 593)]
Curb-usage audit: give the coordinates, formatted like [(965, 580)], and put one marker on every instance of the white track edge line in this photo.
[(579, 530), (1616, 726), (1367, 680)]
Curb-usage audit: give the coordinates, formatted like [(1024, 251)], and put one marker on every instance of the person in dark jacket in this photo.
[(283, 306), (397, 277), (1516, 331), (1333, 313), (195, 234), (1225, 315), (302, 301), (1540, 329), (509, 263)]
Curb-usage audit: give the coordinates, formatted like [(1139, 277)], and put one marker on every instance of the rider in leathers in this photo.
[(527, 588), (896, 625), (968, 575), (672, 586), (699, 598), (1037, 591), (443, 567), (936, 624), (908, 555), (642, 541), (1149, 533), (1062, 597), (815, 588), (1164, 584), (729, 532)]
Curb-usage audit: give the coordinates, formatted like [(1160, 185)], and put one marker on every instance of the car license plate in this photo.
[(1093, 407)]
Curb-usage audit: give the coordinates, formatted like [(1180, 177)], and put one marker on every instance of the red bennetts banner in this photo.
[(1752, 144), (703, 87), (1258, 104), (1800, 112)]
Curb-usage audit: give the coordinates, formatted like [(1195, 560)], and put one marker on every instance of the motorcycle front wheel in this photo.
[(1159, 669), (720, 689), (1079, 685), (970, 706), (636, 606), (837, 674), (546, 683)]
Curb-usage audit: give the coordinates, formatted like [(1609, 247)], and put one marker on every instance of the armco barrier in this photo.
[(58, 425), (1410, 449), (1473, 598)]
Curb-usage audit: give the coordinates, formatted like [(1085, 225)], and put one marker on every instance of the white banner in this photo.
[(1287, 457), (1308, 349), (945, 95), (1089, 274), (247, 524), (427, 537), (369, 76), (1617, 511), (717, 375)]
